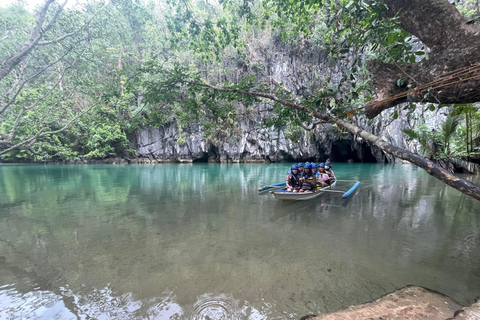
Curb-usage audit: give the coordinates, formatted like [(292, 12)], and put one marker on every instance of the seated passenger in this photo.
[(293, 179), (306, 181), (323, 178), (328, 169), (315, 175), (300, 168)]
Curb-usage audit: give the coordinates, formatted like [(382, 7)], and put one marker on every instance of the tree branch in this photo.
[(35, 37), (61, 38), (41, 134), (12, 131), (313, 125), (437, 23), (454, 46), (12, 100)]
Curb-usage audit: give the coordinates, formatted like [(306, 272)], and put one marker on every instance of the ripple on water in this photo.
[(215, 307)]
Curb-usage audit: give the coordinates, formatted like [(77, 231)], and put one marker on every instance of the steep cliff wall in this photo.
[(301, 68)]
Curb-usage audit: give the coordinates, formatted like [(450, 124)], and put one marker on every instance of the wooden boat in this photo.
[(283, 194)]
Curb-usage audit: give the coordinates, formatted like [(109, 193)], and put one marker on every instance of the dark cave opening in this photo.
[(203, 159), (210, 156), (342, 152)]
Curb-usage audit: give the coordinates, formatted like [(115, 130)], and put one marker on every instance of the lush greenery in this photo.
[(103, 70)]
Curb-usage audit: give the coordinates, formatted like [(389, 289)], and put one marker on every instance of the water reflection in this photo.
[(197, 242)]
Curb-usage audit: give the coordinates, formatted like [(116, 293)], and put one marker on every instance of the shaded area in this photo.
[(344, 151)]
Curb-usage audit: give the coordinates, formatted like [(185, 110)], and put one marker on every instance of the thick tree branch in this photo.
[(67, 35), (434, 170), (455, 46), (437, 23), (36, 35)]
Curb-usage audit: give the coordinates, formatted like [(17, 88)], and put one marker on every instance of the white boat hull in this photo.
[(294, 196)]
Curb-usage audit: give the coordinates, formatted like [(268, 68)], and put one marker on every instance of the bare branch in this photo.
[(54, 18), (86, 24), (45, 43), (35, 37)]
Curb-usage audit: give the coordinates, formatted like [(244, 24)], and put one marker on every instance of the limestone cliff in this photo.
[(301, 68)]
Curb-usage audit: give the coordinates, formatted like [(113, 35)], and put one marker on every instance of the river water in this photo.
[(196, 241)]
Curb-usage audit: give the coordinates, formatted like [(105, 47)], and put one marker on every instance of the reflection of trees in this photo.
[(132, 235)]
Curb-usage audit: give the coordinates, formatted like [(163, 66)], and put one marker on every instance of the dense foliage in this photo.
[(105, 69)]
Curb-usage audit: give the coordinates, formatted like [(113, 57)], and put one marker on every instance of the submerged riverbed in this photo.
[(196, 241)]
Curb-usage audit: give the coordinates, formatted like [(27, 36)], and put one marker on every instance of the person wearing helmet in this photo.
[(293, 179), (307, 179), (300, 168), (329, 171), (323, 178), (315, 175)]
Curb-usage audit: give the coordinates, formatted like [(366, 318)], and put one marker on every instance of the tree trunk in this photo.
[(454, 58)]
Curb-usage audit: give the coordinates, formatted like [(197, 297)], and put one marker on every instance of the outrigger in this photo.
[(284, 194), (272, 186)]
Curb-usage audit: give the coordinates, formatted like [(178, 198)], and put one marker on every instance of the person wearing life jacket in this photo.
[(323, 177), (293, 179), (300, 168), (329, 171), (307, 179), (315, 175)]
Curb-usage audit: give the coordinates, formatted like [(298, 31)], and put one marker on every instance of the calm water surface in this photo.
[(197, 242)]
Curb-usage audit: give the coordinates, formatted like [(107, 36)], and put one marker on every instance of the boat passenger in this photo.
[(323, 177), (315, 175), (300, 168), (307, 179), (328, 169), (293, 179)]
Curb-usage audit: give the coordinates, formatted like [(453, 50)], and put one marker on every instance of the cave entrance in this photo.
[(204, 158), (342, 152)]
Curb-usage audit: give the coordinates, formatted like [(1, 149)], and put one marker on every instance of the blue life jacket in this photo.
[(294, 180)]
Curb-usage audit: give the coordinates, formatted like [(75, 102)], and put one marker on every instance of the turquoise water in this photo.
[(196, 241)]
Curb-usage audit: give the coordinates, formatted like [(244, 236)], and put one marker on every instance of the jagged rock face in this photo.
[(257, 144), (252, 145), (300, 69)]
